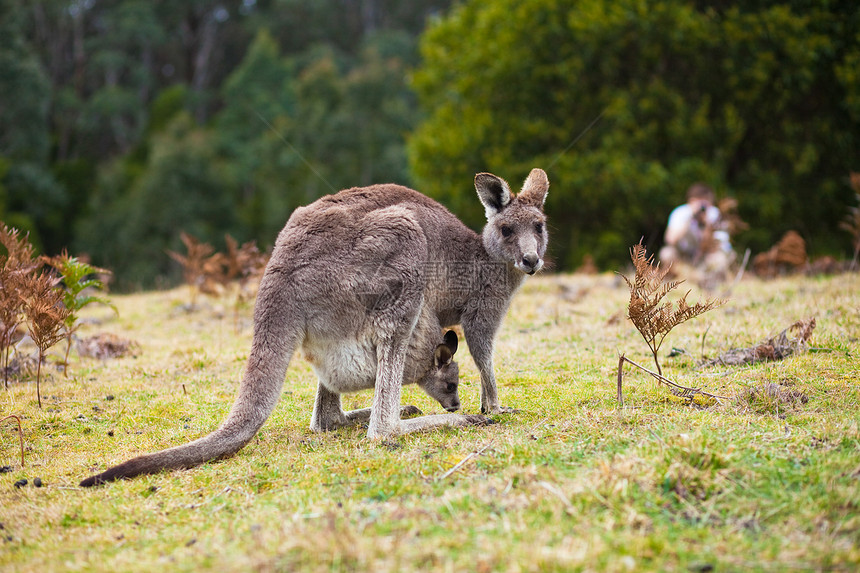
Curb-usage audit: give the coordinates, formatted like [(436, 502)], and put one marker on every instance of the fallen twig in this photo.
[(477, 453), (680, 391), (465, 460), (558, 493), (20, 434)]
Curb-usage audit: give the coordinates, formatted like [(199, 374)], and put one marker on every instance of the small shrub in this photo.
[(213, 272), (651, 317), (46, 316), (193, 264), (77, 276), (852, 220), (46, 303), (15, 265)]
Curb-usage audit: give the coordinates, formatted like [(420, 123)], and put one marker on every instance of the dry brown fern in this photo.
[(194, 263), (16, 264), (46, 315), (20, 254), (244, 264), (787, 256), (652, 317), (11, 316), (212, 272), (852, 220), (247, 261)]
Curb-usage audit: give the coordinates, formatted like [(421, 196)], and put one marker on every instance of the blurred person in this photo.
[(695, 234)]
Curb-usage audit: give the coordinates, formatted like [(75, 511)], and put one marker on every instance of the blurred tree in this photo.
[(30, 197), (294, 129), (279, 118), (759, 99), (257, 96), (181, 188), (341, 24), (382, 109)]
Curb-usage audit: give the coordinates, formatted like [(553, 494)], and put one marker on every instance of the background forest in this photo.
[(124, 122)]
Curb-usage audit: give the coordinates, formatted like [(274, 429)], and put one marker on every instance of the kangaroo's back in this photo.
[(440, 226)]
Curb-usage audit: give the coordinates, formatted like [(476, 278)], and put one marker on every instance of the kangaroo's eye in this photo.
[(451, 387), (539, 228), (507, 231)]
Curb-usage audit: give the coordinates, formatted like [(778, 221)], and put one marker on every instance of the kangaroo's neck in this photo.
[(469, 280)]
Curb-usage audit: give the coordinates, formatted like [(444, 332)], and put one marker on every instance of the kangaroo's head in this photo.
[(516, 225), (443, 378)]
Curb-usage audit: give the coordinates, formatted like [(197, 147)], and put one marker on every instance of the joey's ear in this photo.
[(494, 192), (535, 188), (451, 341), (443, 355)]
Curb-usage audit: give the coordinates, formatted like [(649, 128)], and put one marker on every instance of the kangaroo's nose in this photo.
[(530, 260)]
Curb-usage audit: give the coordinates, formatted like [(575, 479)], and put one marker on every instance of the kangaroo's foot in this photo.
[(499, 410), (330, 424), (478, 420), (409, 411)]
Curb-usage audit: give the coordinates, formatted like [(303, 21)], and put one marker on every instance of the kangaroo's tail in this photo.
[(277, 332)]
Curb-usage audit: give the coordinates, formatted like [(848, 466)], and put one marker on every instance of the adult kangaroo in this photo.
[(355, 279)]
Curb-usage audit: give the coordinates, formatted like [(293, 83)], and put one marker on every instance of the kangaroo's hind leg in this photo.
[(328, 413), (390, 282)]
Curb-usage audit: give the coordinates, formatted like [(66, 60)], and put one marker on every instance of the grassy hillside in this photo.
[(765, 481)]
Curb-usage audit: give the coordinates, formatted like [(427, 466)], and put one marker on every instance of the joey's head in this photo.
[(443, 378), (516, 225)]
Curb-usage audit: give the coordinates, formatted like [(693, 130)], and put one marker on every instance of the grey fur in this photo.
[(363, 280)]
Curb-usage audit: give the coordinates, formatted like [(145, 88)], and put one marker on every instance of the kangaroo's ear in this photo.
[(535, 188), (494, 192), (443, 355), (451, 341)]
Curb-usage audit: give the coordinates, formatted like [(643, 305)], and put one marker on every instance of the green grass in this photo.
[(571, 482)]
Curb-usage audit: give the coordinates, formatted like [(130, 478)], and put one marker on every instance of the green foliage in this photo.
[(77, 277), (294, 129), (756, 99), (24, 91), (292, 123), (31, 196), (280, 101), (181, 186)]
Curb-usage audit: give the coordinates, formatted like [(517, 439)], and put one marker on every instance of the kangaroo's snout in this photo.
[(453, 408), (531, 263)]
